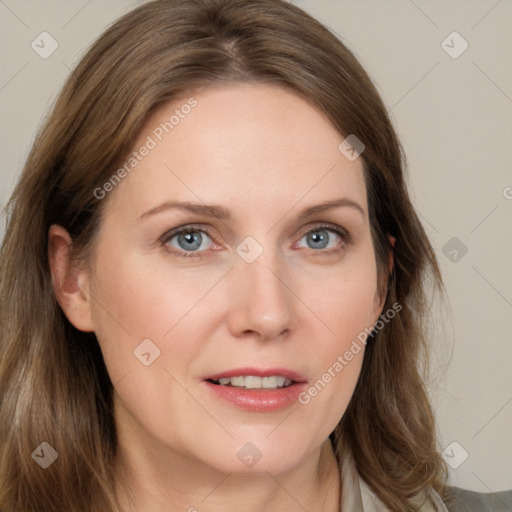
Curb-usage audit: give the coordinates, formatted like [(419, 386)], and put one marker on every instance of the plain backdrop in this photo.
[(444, 71)]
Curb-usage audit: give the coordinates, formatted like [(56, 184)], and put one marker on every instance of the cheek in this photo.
[(144, 316), (343, 299), (345, 306), (134, 300)]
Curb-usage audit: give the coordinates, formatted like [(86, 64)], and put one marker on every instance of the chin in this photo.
[(258, 456)]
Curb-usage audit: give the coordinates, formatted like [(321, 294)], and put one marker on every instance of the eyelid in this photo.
[(186, 228), (318, 226)]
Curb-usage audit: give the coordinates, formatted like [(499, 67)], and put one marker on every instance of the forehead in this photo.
[(239, 143)]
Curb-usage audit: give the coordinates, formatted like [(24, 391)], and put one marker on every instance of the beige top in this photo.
[(356, 496)]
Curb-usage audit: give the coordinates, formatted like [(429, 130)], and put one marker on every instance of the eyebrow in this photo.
[(220, 212)]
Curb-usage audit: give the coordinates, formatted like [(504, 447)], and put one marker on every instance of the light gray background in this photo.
[(454, 117)]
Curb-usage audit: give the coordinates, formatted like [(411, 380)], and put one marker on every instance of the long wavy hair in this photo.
[(54, 386)]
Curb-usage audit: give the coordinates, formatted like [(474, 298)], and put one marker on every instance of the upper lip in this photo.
[(258, 372)]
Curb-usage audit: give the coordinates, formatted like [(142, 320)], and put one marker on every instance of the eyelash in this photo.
[(332, 228)]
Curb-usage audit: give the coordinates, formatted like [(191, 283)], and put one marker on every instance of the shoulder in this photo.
[(462, 500)]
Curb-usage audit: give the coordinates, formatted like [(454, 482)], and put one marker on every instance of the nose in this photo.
[(262, 303)]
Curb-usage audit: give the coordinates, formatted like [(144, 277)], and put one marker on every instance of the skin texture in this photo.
[(266, 155)]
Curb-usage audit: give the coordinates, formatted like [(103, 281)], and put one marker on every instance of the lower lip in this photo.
[(258, 400)]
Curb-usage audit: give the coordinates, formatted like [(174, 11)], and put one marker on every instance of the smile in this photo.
[(256, 389)]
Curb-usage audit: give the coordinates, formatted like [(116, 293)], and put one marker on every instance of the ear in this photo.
[(380, 299), (70, 284)]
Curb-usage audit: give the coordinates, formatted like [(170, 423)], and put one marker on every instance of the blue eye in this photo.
[(188, 240), (323, 237)]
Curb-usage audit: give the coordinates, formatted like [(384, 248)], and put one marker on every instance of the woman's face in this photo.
[(274, 279)]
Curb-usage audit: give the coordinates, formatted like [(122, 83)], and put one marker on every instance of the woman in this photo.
[(212, 280)]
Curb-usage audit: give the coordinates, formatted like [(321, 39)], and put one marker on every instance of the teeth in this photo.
[(269, 382), (237, 381), (252, 382)]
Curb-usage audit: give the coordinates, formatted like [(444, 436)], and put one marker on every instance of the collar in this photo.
[(356, 495)]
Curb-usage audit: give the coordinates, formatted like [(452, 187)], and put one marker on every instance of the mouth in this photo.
[(255, 389)]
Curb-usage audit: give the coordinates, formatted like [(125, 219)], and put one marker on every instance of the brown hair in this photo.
[(54, 386)]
